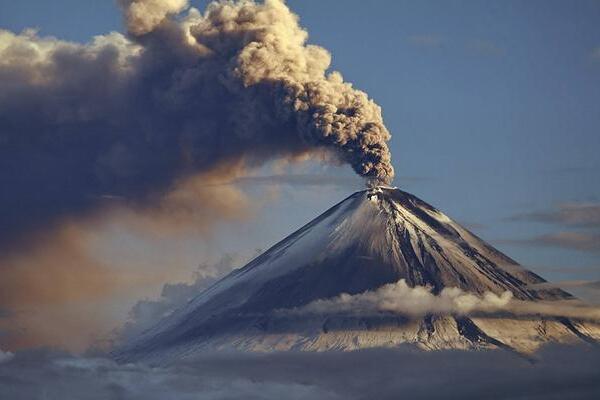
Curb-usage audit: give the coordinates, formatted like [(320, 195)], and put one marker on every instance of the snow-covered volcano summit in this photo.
[(371, 239)]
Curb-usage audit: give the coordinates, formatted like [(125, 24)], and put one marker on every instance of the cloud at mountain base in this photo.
[(378, 373)]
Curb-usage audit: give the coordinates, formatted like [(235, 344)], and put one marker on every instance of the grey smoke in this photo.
[(182, 93)]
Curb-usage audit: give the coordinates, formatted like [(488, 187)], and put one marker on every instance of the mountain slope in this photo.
[(372, 238)]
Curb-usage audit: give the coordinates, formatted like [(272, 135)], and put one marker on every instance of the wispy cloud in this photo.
[(595, 54), (567, 284), (586, 269), (571, 214), (486, 47), (585, 216), (589, 242), (427, 40), (588, 290), (475, 45), (473, 226)]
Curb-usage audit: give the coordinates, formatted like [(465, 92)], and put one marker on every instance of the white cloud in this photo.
[(419, 301)]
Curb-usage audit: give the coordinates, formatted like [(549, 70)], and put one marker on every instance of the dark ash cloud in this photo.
[(559, 372), (184, 92), (139, 129)]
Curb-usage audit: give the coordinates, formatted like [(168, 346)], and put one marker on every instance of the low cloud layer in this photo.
[(367, 374), (420, 301), (413, 301)]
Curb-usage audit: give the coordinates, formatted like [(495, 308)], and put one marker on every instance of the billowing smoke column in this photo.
[(182, 93)]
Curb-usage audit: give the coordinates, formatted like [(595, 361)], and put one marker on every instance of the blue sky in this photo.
[(494, 108)]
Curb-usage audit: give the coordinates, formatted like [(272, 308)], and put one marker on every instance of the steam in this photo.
[(420, 301), (184, 93)]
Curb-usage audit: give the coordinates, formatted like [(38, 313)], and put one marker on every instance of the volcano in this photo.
[(373, 238)]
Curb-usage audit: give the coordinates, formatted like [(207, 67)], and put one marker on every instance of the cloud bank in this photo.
[(365, 374)]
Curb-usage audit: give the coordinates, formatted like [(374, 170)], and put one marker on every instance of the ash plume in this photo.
[(182, 93)]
